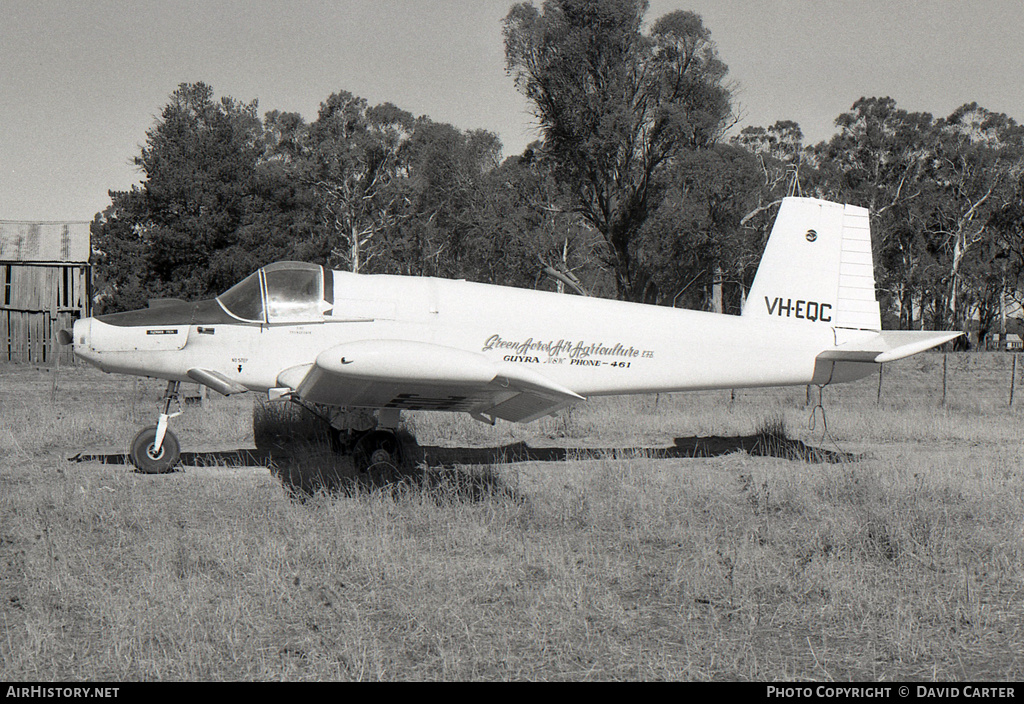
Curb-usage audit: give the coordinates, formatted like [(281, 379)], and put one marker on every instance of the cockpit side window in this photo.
[(292, 295), (244, 300), (294, 292)]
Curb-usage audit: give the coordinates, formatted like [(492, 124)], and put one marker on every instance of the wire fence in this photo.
[(975, 379), (983, 381), (987, 378)]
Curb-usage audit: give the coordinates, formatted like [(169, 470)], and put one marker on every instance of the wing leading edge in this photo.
[(419, 376)]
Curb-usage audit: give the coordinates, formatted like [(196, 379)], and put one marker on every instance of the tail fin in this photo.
[(817, 266)]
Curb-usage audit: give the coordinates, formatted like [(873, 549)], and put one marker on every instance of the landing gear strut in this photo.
[(155, 450)]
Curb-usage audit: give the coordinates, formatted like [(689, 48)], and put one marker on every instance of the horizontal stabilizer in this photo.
[(888, 346)]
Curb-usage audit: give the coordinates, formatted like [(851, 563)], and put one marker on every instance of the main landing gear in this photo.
[(370, 439), (155, 450)]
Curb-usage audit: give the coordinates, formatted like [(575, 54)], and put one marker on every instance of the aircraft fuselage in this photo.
[(592, 346)]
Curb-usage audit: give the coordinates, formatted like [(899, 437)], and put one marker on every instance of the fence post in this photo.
[(1013, 378), (55, 372), (945, 357)]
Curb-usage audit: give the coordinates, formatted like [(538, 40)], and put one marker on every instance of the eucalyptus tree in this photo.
[(1008, 227), (616, 104), (446, 174), (350, 156), (529, 236), (779, 151), (979, 160), (695, 245), (882, 158)]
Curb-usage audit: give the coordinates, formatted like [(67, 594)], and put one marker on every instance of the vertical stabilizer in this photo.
[(817, 267)]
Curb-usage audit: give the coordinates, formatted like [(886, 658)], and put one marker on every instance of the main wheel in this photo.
[(150, 462), (378, 452)]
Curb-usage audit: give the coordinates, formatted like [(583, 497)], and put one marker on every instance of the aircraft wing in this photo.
[(419, 376), (888, 346)]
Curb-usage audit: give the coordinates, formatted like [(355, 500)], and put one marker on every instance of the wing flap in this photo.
[(537, 395)]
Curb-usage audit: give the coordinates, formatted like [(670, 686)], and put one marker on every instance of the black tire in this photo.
[(141, 452), (377, 452)]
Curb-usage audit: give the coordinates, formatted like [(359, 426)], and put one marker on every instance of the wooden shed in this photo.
[(45, 285)]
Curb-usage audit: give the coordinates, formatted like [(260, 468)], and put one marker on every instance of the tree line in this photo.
[(638, 187)]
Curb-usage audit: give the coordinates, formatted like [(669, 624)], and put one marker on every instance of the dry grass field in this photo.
[(686, 537)]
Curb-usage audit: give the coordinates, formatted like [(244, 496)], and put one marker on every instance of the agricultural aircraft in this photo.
[(367, 347)]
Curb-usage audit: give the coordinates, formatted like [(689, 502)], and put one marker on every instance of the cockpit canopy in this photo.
[(282, 292)]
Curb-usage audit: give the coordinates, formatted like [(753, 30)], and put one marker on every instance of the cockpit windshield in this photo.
[(279, 292), (245, 299)]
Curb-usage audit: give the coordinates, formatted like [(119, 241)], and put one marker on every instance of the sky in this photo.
[(82, 82)]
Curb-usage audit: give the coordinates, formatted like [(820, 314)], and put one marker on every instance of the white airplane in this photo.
[(371, 346)]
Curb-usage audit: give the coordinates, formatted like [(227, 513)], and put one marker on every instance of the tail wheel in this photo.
[(150, 461)]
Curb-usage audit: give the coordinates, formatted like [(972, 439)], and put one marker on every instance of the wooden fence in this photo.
[(37, 301)]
